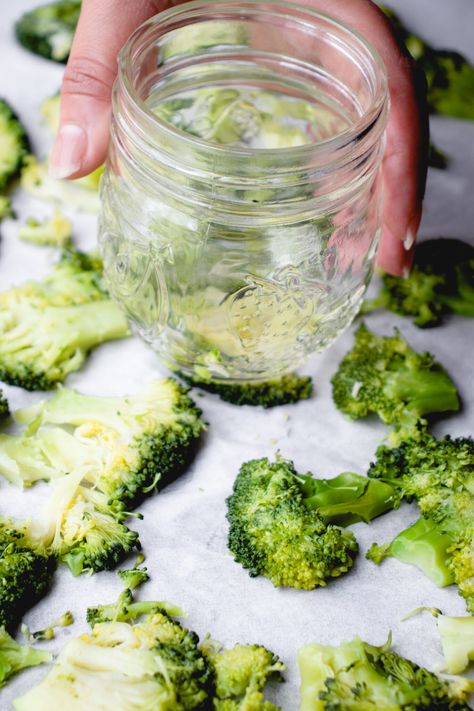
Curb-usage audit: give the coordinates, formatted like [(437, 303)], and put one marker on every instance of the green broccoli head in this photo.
[(48, 328), (135, 442), (457, 639), (285, 390), (153, 664), (48, 30), (357, 675), (438, 474), (272, 532), (14, 144), (26, 572), (14, 657), (385, 376), (240, 675), (441, 281)]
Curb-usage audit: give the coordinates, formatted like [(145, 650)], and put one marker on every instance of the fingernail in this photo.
[(68, 151), (409, 240)]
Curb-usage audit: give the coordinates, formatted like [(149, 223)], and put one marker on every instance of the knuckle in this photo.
[(88, 77)]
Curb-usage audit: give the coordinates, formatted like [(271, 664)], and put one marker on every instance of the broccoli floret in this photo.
[(273, 533), (14, 657), (438, 474), (126, 609), (82, 529), (55, 232), (81, 194), (48, 30), (48, 327), (385, 376), (357, 675), (287, 389), (449, 75), (441, 281), (4, 409), (14, 144), (240, 675), (125, 446), (153, 664), (26, 572), (134, 577), (457, 639)]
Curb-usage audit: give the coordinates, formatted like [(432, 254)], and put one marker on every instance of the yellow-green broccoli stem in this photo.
[(457, 638)]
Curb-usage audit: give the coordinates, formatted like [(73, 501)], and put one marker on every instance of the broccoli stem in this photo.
[(425, 546), (425, 391), (348, 498)]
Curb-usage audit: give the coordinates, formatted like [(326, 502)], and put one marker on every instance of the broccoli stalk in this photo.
[(358, 675), (126, 609), (457, 639), (14, 657), (441, 281), (241, 674), (152, 664), (282, 524), (26, 572), (47, 328), (385, 376), (48, 30), (438, 474)]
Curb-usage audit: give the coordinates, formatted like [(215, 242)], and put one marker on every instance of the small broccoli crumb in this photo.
[(55, 231)]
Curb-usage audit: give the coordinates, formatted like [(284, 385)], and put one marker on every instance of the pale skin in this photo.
[(105, 25)]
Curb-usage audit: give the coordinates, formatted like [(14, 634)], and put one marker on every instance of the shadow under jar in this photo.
[(241, 201)]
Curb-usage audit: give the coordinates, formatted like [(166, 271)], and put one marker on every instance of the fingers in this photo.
[(103, 28)]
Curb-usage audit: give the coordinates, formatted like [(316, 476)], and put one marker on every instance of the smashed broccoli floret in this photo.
[(385, 376), (54, 232), (240, 675), (81, 194), (26, 572), (285, 390), (48, 30), (273, 533), (358, 675), (48, 327), (439, 476), (14, 145), (14, 657), (153, 664), (125, 446), (457, 639), (441, 281), (449, 75)]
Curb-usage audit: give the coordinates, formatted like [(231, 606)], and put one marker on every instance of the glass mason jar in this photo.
[(241, 201)]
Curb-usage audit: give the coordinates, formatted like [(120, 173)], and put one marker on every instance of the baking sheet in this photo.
[(184, 529)]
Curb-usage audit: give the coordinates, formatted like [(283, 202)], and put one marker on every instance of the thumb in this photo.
[(86, 91)]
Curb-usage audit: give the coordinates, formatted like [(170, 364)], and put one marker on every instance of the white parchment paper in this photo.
[(184, 530)]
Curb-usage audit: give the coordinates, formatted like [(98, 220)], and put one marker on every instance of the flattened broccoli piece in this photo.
[(14, 145), (48, 30), (439, 475), (48, 327), (357, 675), (385, 376), (240, 675), (4, 409), (26, 572), (457, 639), (14, 657), (273, 533), (81, 194), (55, 232), (449, 75), (126, 446), (153, 664), (288, 389), (441, 281)]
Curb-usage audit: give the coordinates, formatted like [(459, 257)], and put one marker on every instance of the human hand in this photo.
[(105, 25)]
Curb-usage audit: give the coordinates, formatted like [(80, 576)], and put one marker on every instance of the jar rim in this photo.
[(330, 145)]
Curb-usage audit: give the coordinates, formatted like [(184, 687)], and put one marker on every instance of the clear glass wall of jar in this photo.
[(236, 259)]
